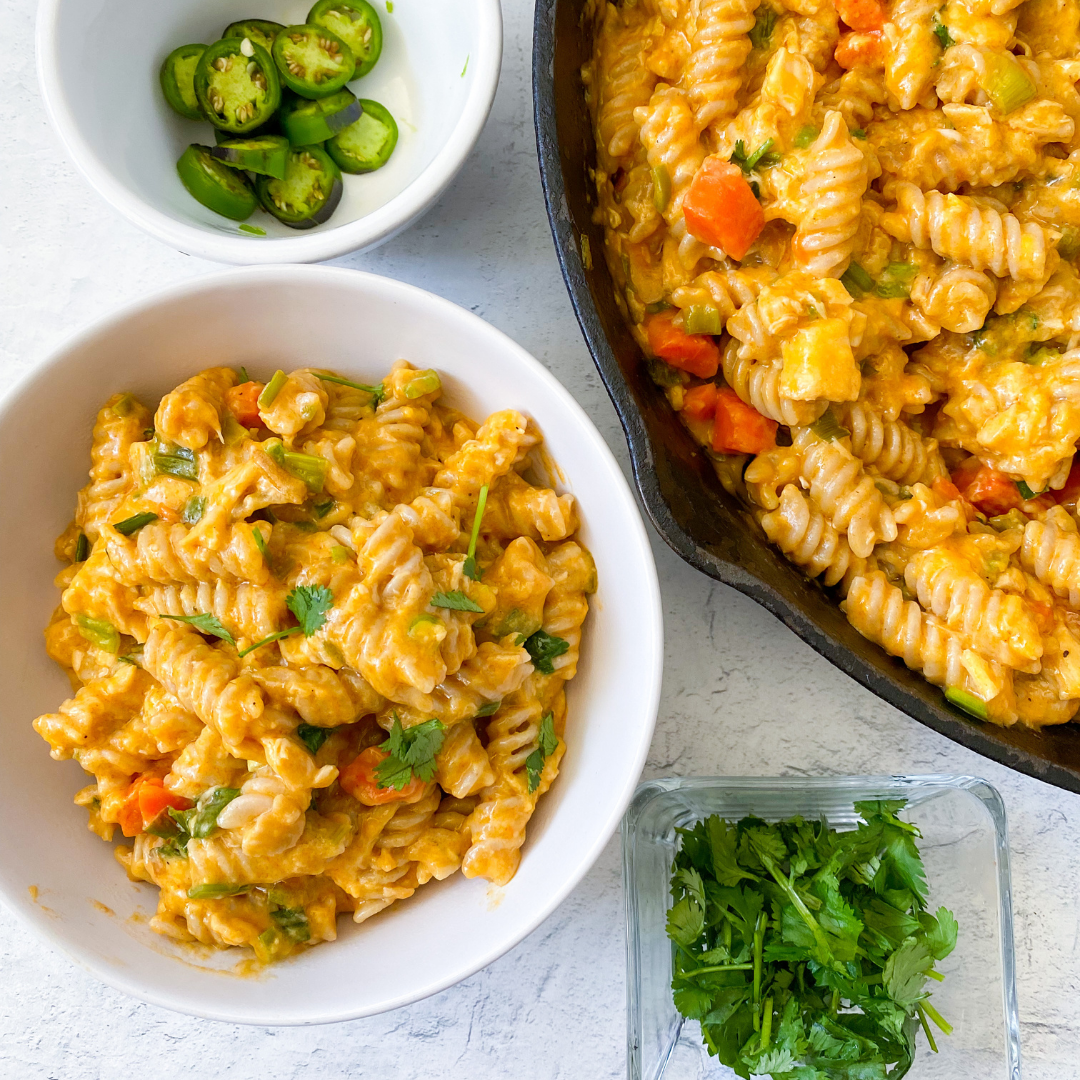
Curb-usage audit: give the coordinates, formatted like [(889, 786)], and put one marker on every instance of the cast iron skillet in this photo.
[(710, 529)]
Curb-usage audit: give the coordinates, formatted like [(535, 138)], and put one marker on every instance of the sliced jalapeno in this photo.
[(306, 122), (237, 85), (261, 31), (271, 127), (178, 80), (357, 23), (367, 144), (312, 60), (310, 192), (216, 186), (264, 155)]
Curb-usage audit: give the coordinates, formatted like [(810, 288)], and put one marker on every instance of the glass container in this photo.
[(965, 849)]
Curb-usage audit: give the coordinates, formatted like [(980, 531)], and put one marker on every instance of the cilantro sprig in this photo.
[(455, 600), (310, 603), (761, 158), (543, 648), (377, 392), (803, 951), (546, 743), (205, 623), (411, 753)]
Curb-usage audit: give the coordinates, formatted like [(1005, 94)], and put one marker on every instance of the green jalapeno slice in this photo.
[(219, 188), (312, 60), (306, 122), (237, 85), (357, 23), (178, 80), (265, 154), (308, 194), (261, 31), (367, 144)]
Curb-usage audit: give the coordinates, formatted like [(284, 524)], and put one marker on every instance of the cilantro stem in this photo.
[(718, 967), (938, 1019), (935, 975), (926, 1028), (766, 1023), (759, 942), (800, 906), (834, 1005)]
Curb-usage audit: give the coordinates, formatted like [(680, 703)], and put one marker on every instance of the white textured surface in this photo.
[(742, 694)]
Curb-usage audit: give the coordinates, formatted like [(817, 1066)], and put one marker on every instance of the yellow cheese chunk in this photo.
[(819, 363)]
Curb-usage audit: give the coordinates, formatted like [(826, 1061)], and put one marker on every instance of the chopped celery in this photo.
[(657, 306), (828, 427), (123, 405), (1069, 245), (858, 133), (82, 548), (807, 134), (339, 553), (857, 281), (232, 431), (176, 461), (271, 390), (427, 629), (895, 281), (293, 923), (489, 709), (1007, 84), (962, 699), (661, 188), (1014, 519), (761, 31), (321, 509), (99, 632), (307, 467), (426, 382), (133, 524), (702, 319), (312, 737), (260, 542), (1025, 492), (212, 890), (193, 510)]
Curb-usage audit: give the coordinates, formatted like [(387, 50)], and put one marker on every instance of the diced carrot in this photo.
[(696, 353), (721, 210), (699, 403), (861, 14), (243, 402), (146, 799), (740, 429), (990, 491), (359, 780), (860, 50), (965, 472), (1070, 493)]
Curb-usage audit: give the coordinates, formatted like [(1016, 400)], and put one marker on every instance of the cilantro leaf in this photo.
[(455, 600), (685, 922), (945, 39), (205, 623), (544, 648), (941, 930), (312, 737), (310, 603), (547, 742), (762, 157), (470, 568), (724, 839), (411, 753), (904, 975)]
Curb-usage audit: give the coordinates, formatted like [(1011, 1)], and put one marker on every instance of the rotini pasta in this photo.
[(304, 684), (846, 237)]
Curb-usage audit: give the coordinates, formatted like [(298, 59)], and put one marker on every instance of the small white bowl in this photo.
[(65, 882), (98, 62)]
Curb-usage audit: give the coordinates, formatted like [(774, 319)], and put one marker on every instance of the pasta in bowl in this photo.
[(266, 581), (842, 235), (67, 885)]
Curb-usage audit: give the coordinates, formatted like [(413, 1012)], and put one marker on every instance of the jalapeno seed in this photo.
[(260, 31)]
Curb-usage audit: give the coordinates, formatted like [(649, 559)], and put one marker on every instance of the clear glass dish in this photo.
[(966, 852)]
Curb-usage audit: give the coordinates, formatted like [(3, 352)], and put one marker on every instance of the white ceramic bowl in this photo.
[(265, 318), (98, 63)]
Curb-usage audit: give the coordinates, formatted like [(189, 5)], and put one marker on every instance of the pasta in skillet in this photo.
[(319, 635), (846, 234)]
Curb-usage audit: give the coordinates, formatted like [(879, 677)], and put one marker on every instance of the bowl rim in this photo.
[(935, 713), (648, 599), (364, 232)]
